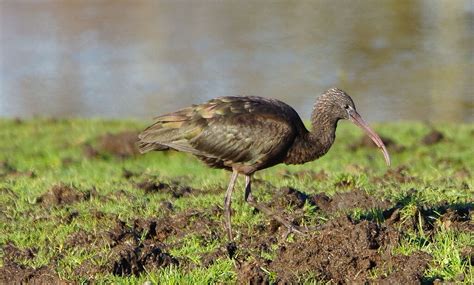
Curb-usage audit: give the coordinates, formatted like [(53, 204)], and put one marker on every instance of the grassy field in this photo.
[(80, 205)]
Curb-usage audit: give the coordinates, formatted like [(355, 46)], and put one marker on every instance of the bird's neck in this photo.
[(314, 144), (323, 129)]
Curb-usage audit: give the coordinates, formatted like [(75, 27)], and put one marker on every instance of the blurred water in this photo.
[(400, 60)]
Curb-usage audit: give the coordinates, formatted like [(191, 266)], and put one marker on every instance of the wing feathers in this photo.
[(231, 129)]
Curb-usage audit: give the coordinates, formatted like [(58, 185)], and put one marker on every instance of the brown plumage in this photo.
[(246, 134)]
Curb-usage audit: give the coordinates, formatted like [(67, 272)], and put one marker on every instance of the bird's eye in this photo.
[(346, 107)]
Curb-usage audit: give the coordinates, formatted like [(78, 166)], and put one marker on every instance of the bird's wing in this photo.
[(234, 129)]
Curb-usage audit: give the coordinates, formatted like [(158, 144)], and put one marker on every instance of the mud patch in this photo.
[(62, 194), (459, 218), (174, 188), (343, 250), (13, 253), (13, 272), (209, 258), (132, 259), (251, 272), (133, 249), (141, 245), (288, 196), (356, 198), (347, 200), (433, 137), (348, 252), (294, 199), (399, 175), (121, 145), (80, 238), (90, 151), (148, 229)]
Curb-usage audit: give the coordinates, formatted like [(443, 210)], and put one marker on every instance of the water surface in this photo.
[(400, 60)]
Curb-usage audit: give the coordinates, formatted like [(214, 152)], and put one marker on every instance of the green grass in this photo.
[(42, 146)]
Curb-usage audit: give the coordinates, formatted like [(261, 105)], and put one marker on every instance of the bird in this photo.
[(245, 134)]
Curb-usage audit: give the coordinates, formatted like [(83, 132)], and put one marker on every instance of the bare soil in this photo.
[(433, 137), (329, 205), (398, 175), (61, 194), (177, 190), (121, 145), (13, 272), (348, 252), (342, 250), (345, 251)]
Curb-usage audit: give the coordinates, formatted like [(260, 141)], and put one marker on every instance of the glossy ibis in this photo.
[(246, 134)]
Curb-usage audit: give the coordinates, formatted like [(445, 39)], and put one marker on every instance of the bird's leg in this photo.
[(227, 203), (267, 211)]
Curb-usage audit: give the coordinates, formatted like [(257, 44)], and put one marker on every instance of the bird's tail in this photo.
[(144, 147), (168, 131)]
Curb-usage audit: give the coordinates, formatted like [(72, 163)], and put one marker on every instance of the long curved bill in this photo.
[(357, 119)]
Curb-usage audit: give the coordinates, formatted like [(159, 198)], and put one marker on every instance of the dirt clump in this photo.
[(130, 259), (134, 248), (404, 269), (430, 220), (366, 142), (432, 137), (11, 252), (458, 218), (121, 144), (340, 202), (12, 272), (347, 200), (251, 272), (348, 252), (288, 196), (90, 152), (175, 189), (80, 238), (140, 246), (209, 258), (399, 175), (149, 229), (356, 198), (62, 194), (160, 229), (67, 219)]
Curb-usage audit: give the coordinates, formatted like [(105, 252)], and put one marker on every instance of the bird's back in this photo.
[(228, 132)]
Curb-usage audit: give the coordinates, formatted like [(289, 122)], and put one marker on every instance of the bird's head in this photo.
[(339, 105)]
